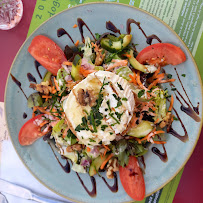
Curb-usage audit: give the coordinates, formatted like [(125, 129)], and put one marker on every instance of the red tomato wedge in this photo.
[(172, 54), (132, 179), (30, 131), (47, 53)]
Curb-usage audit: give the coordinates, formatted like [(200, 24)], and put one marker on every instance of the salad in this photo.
[(104, 105)]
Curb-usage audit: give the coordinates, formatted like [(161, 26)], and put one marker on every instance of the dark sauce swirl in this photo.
[(112, 27), (24, 115), (114, 187), (66, 168), (92, 193), (81, 23), (37, 65), (18, 83), (162, 155), (61, 32), (31, 78), (148, 38)]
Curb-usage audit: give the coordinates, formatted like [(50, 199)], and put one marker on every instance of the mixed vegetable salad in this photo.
[(104, 105)]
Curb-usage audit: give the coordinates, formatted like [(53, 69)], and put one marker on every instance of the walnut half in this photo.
[(112, 167)]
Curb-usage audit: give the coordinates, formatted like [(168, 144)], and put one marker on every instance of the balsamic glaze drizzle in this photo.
[(37, 65), (92, 193), (148, 38), (112, 27), (66, 168), (81, 23), (196, 109), (114, 187), (24, 115), (162, 155), (18, 83), (183, 138), (61, 32), (31, 78)]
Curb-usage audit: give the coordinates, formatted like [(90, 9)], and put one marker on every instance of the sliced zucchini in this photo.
[(124, 72), (95, 165), (47, 76), (135, 64), (141, 130), (34, 100), (114, 46), (75, 71)]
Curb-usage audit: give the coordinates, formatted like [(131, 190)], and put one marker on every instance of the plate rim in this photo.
[(151, 15)]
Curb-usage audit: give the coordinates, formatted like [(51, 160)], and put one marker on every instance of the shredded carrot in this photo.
[(171, 104), (74, 26), (46, 97), (117, 63), (139, 82), (85, 73), (43, 123), (68, 63), (151, 134), (133, 78), (155, 82), (56, 84), (77, 43), (53, 90), (159, 142), (160, 75), (133, 121), (96, 48), (33, 112), (169, 80), (105, 161), (156, 73), (127, 55), (88, 149), (156, 121), (106, 147), (65, 132), (105, 152)]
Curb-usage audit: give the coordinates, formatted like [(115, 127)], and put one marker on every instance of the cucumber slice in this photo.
[(34, 100), (124, 72), (47, 76), (141, 130), (135, 64), (95, 165), (114, 46), (75, 72)]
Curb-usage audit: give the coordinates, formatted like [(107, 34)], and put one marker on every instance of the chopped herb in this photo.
[(183, 75), (150, 110), (169, 76), (97, 35), (113, 124), (103, 127), (112, 116), (79, 128), (108, 104), (91, 140), (120, 87), (110, 43), (175, 119), (119, 115), (103, 51), (92, 121), (140, 93), (100, 142), (116, 97), (106, 109), (173, 89), (98, 123), (124, 99), (118, 104), (111, 133)]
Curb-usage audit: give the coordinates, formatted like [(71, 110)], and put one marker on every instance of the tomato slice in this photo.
[(47, 53), (170, 53), (132, 179), (30, 131)]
